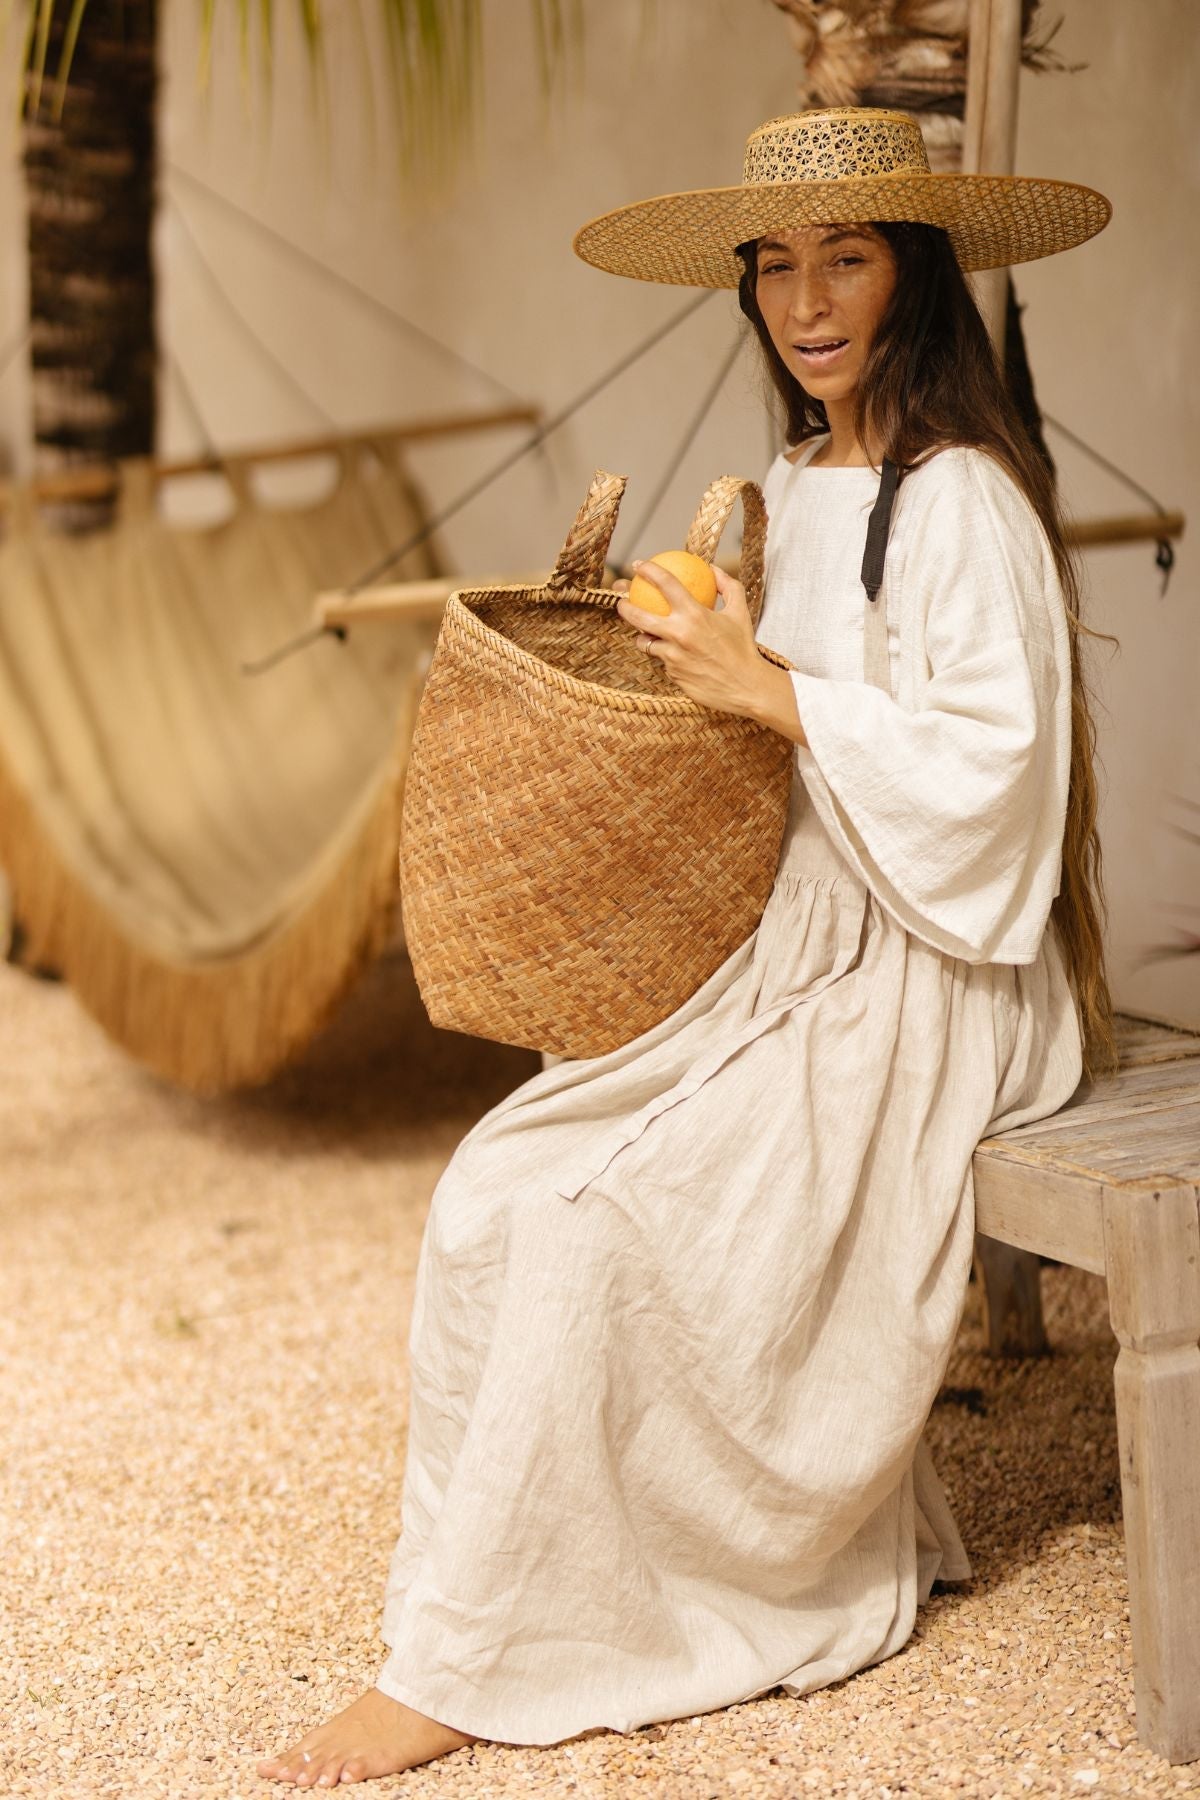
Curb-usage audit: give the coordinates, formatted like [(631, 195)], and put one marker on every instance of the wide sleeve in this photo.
[(953, 813)]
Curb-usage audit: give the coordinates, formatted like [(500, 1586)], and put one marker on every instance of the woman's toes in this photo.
[(275, 1768), (354, 1769)]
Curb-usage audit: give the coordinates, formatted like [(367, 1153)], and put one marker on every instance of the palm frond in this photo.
[(208, 13), (905, 53), (41, 21), (438, 45), (70, 37), (559, 29), (434, 56)]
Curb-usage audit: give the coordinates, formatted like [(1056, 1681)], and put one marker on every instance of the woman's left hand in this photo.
[(710, 656)]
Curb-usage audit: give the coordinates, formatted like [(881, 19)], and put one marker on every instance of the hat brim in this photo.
[(992, 221)]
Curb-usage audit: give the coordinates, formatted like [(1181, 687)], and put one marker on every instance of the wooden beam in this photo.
[(409, 599), (427, 599), (1152, 1241), (98, 480), (1128, 530), (990, 125)]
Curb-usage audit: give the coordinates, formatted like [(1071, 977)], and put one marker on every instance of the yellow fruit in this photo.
[(695, 574)]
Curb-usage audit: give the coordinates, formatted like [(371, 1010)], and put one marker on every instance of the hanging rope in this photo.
[(243, 324), (296, 253), (690, 432), (1164, 552), (192, 406), (455, 506), (539, 436), (335, 278)]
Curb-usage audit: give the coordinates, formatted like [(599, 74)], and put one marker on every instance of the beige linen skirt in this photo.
[(681, 1312)]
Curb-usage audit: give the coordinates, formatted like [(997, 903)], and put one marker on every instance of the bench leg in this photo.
[(1152, 1253), (1011, 1283)]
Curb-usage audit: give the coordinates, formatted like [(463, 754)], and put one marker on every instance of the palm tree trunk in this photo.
[(90, 180)]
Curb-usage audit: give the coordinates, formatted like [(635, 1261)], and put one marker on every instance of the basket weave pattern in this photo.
[(582, 846), (834, 142)]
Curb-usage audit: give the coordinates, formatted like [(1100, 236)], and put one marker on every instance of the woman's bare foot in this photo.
[(375, 1736)]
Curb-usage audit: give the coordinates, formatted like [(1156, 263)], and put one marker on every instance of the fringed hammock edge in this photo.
[(209, 861), (231, 1023)]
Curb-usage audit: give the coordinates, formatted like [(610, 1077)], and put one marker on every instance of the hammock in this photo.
[(208, 860)]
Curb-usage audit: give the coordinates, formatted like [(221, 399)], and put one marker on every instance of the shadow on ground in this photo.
[(377, 1072)]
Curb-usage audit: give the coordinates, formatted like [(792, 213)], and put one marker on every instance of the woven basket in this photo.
[(582, 846)]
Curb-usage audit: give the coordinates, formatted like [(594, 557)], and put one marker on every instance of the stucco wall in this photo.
[(485, 264), (1113, 335)]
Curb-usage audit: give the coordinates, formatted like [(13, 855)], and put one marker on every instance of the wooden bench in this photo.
[(1111, 1183)]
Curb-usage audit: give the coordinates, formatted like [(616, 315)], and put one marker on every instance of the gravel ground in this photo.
[(203, 1312)]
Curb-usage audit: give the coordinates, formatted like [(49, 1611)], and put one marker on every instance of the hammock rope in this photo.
[(291, 251), (192, 407), (691, 432), (589, 393), (1164, 552), (234, 313), (463, 499)]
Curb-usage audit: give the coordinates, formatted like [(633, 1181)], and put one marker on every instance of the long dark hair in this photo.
[(932, 379)]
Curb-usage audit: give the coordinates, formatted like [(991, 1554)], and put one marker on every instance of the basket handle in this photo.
[(712, 516), (581, 560)]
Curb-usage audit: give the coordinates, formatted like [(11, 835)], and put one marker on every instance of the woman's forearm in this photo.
[(775, 704)]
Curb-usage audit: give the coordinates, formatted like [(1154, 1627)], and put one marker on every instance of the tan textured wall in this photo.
[(1113, 334), (488, 268)]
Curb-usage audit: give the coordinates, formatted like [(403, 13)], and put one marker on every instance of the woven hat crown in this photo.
[(830, 144)]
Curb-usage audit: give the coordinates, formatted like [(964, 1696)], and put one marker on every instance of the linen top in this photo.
[(949, 799)]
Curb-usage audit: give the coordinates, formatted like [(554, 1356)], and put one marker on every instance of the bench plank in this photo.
[(1038, 1186), (1142, 1039), (1119, 1147), (1041, 1208), (1152, 1087)]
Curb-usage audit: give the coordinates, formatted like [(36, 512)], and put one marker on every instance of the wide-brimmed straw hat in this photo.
[(840, 165)]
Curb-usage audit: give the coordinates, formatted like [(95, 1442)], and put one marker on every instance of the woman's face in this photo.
[(824, 284)]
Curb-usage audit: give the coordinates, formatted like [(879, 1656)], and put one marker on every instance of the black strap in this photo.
[(878, 526)]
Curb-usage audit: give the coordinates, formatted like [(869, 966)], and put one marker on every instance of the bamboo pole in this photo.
[(1136, 528), (427, 599), (99, 480), (409, 599), (990, 126)]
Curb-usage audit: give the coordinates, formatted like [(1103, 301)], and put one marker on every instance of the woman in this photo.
[(682, 1310)]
